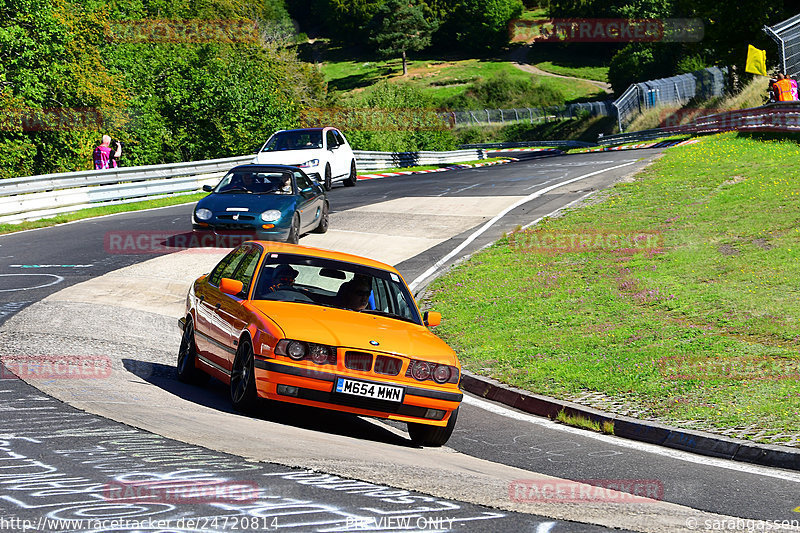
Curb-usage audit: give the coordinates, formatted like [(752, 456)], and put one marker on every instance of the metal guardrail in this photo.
[(530, 144), (775, 117), (32, 197), (368, 161), (634, 136)]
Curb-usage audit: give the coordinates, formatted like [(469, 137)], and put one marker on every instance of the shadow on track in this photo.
[(215, 395)]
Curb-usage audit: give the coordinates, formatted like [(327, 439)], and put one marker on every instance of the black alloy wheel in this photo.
[(353, 177), (187, 354), (243, 379)]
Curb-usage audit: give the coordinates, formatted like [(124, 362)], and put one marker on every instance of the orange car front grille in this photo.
[(388, 366), (358, 361)]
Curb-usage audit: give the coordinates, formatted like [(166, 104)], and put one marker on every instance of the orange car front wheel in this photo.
[(427, 435), (243, 379)]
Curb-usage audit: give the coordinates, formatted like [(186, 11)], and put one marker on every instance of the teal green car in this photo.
[(266, 202)]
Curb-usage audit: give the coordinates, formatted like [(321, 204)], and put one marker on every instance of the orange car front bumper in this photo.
[(310, 386)]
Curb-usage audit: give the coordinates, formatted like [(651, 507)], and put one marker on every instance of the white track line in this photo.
[(441, 262), (736, 466)]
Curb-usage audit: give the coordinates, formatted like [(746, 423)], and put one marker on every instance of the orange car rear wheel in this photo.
[(187, 354), (427, 435)]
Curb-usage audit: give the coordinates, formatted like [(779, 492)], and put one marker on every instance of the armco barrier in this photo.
[(530, 144), (378, 160), (776, 117), (32, 197)]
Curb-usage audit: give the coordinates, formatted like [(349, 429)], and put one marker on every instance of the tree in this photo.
[(399, 27)]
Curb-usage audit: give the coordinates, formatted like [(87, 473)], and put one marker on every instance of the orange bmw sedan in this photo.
[(325, 329)]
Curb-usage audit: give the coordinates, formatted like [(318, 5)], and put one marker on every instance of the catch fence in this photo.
[(787, 35), (531, 115), (675, 90)]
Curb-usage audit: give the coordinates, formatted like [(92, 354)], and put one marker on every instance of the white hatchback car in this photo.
[(323, 153)]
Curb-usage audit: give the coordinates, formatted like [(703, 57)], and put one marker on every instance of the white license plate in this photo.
[(369, 390)]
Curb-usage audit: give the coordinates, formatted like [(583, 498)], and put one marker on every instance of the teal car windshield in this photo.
[(256, 183), (294, 140)]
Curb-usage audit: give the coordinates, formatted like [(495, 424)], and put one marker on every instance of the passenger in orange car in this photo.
[(354, 294), (282, 278)]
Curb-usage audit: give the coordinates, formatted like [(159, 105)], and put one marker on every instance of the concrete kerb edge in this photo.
[(699, 442)]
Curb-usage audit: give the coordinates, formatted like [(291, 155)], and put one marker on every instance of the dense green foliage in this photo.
[(398, 117), (167, 93), (475, 24), (463, 24), (727, 32), (503, 91)]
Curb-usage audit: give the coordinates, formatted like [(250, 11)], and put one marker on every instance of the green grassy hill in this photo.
[(694, 321), (442, 80)]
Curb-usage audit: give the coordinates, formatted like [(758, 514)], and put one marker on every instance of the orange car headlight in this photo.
[(321, 354), (423, 370)]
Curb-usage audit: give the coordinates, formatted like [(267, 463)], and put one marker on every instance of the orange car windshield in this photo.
[(324, 282)]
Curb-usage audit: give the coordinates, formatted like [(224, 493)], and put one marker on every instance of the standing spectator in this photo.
[(773, 92), (794, 86), (784, 88), (103, 157)]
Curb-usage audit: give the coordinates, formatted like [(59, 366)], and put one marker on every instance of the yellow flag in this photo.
[(756, 61)]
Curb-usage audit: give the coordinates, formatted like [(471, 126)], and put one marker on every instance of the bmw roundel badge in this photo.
[(374, 343)]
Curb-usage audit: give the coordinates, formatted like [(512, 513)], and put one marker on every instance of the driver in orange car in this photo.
[(354, 294)]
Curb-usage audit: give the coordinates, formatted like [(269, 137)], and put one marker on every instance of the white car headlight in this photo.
[(309, 163), (271, 216), (203, 214)]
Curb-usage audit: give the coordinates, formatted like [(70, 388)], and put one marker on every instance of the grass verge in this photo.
[(673, 296), (578, 421), (100, 211)]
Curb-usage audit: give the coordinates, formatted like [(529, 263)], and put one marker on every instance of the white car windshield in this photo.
[(294, 140), (324, 282)]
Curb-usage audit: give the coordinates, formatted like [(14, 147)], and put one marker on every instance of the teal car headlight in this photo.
[(203, 214), (271, 215)]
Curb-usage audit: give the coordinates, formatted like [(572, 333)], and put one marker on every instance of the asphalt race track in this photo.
[(71, 290)]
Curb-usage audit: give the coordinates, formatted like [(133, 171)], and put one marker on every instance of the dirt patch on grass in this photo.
[(763, 244)]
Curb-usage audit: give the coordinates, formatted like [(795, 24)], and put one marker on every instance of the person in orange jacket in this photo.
[(784, 89)]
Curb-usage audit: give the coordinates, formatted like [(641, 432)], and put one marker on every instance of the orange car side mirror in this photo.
[(432, 318), (230, 286)]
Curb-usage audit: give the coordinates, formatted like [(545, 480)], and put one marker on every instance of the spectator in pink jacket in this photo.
[(103, 157)]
